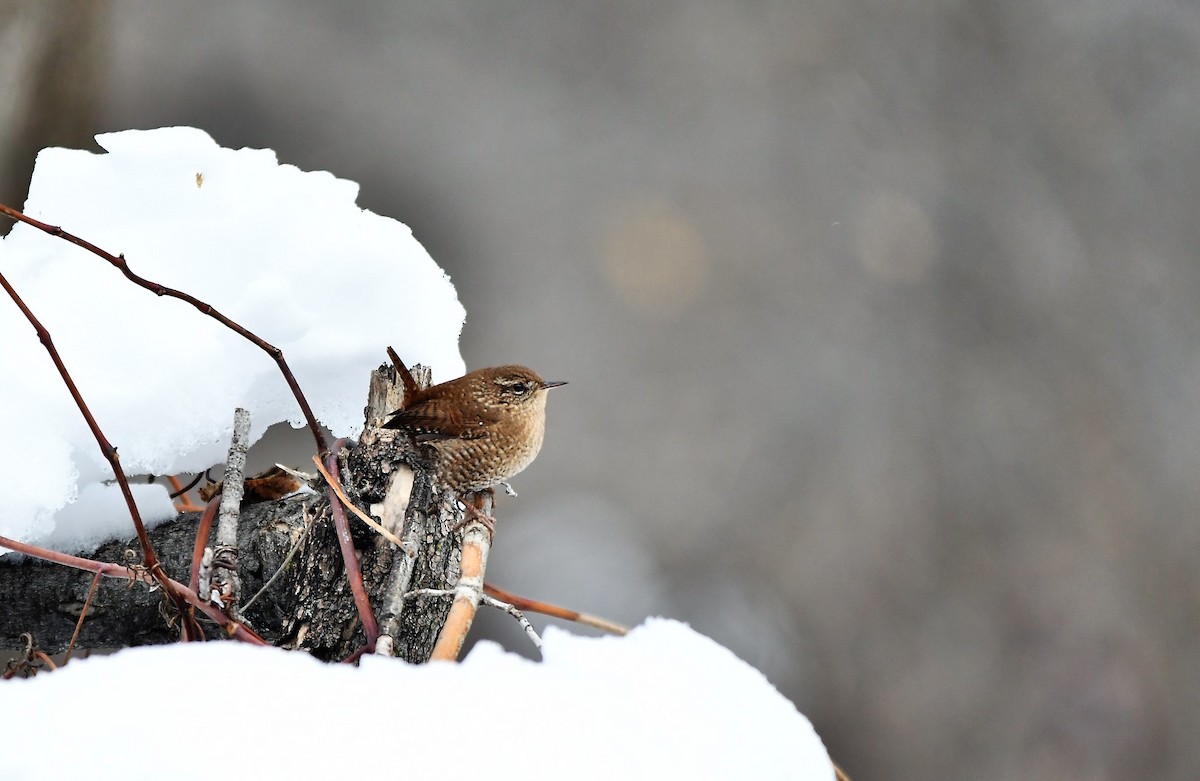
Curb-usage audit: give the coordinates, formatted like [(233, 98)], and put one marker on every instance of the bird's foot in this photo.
[(473, 513)]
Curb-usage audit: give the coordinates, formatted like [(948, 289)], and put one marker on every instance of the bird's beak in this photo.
[(554, 384)]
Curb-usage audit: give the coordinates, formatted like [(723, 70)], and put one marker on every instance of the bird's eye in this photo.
[(519, 388)]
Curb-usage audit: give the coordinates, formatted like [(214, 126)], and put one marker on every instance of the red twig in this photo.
[(556, 611), (110, 452), (105, 568), (354, 657), (183, 491), (341, 527), (202, 531), (82, 615), (234, 629), (28, 663), (161, 290), (180, 492), (190, 629), (46, 660)]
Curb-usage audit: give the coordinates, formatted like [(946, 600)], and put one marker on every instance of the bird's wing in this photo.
[(429, 421)]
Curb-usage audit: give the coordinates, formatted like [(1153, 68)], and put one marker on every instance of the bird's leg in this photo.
[(473, 510), (508, 489)]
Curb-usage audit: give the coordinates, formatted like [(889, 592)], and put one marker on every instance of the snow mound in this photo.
[(286, 253), (663, 702)]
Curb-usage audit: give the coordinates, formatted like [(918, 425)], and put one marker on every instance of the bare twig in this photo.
[(178, 490), (181, 489), (308, 524), (349, 555), (82, 615), (477, 542), (530, 632), (107, 569), (233, 628), (368, 520), (235, 471), (430, 592), (226, 580), (547, 609), (161, 290), (46, 660), (486, 600), (202, 530), (31, 661)]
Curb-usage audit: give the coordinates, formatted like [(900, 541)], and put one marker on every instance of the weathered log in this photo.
[(45, 599)]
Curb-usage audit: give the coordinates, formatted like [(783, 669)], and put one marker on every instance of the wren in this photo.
[(485, 426)]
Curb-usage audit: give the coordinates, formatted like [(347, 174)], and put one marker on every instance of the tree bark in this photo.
[(45, 599)]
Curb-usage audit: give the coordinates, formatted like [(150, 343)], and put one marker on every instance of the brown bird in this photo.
[(485, 426)]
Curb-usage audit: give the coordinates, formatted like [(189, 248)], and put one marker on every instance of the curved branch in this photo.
[(162, 290), (106, 448)]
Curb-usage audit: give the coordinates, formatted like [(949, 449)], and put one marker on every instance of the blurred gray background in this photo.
[(881, 319)]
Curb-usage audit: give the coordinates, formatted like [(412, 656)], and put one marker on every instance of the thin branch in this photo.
[(181, 489), (547, 609), (82, 615), (430, 592), (161, 290), (233, 628), (202, 531), (46, 660), (485, 600), (308, 524), (106, 448), (349, 555), (368, 520), (530, 632), (225, 558), (32, 660), (76, 562), (235, 472)]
